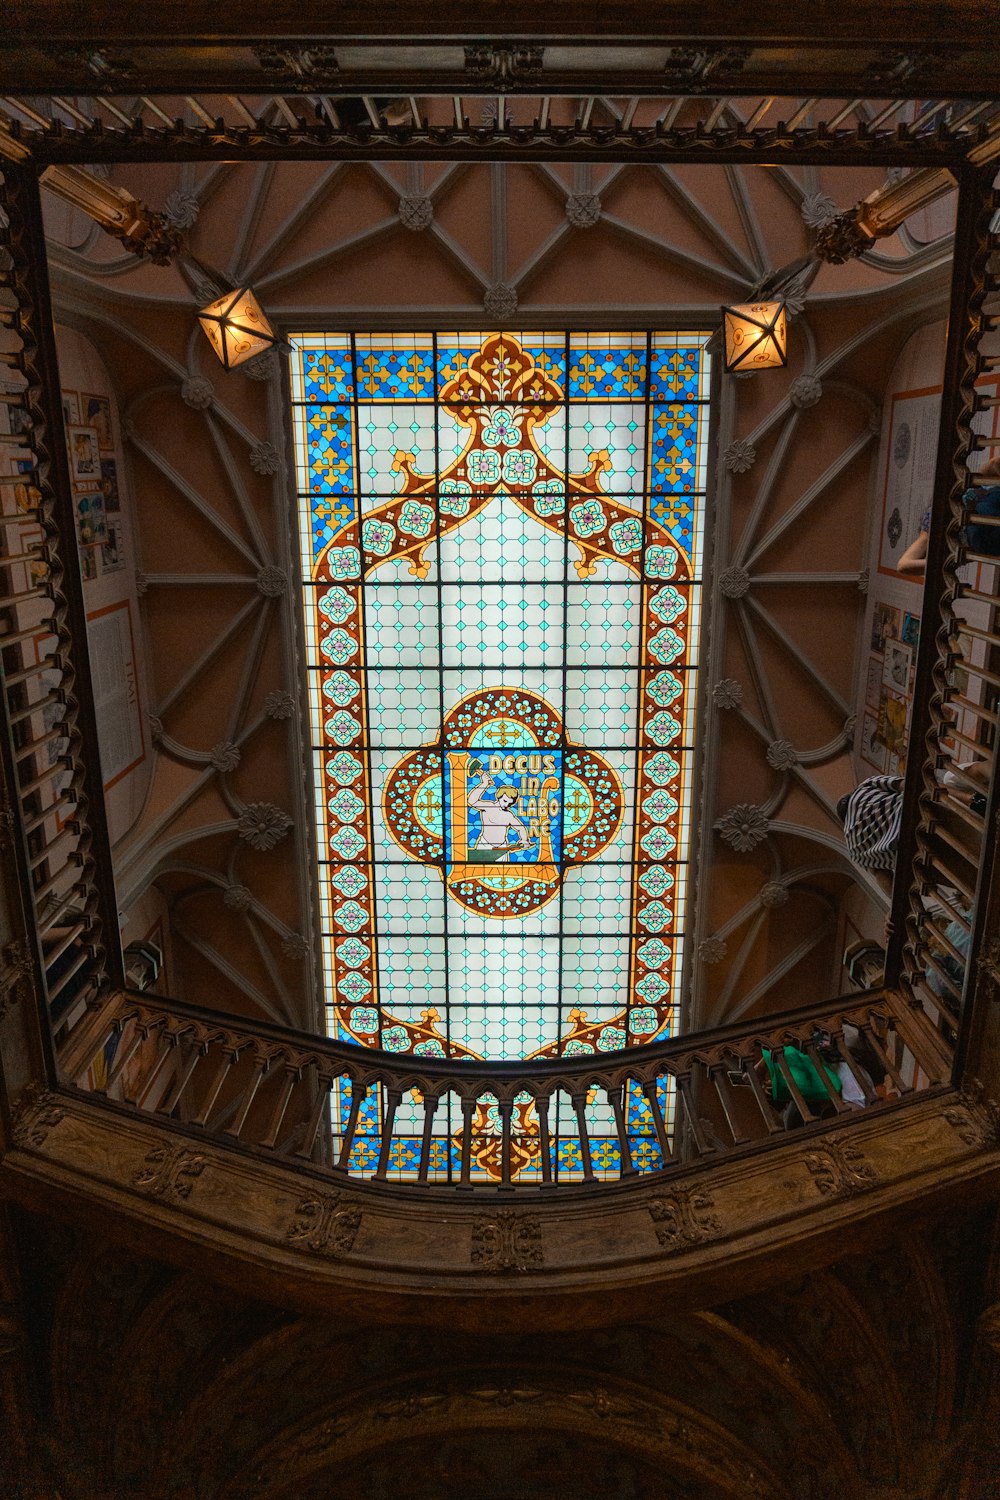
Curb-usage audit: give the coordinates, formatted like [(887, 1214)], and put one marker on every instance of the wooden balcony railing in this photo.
[(48, 739), (425, 1121)]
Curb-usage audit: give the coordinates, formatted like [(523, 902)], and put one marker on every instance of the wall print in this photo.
[(96, 413), (112, 553), (908, 476), (910, 632), (109, 484), (71, 408), (84, 454), (885, 626), (896, 671), (891, 731), (872, 750), (91, 522), (873, 682)]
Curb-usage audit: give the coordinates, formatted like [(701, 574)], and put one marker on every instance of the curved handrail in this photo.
[(572, 1120)]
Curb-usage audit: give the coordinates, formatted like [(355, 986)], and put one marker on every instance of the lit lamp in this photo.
[(236, 327), (755, 337)]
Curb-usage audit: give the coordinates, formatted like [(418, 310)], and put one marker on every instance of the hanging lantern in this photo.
[(756, 337), (236, 327)]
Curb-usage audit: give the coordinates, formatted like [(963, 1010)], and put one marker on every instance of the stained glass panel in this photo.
[(501, 540)]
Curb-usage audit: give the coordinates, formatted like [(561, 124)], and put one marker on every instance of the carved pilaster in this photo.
[(37, 1112), (684, 1218), (168, 1173), (507, 1241), (840, 1170), (326, 1224), (15, 976)]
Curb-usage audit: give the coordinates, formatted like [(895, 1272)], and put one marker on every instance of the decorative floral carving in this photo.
[(236, 897), (168, 1173), (864, 580), (36, 1113), (279, 705), (583, 210), (264, 458), (197, 392), (503, 66), (989, 1326), (805, 391), (713, 950), (817, 209), (313, 64), (684, 1218), (156, 729), (740, 455), (734, 581), (727, 693), (295, 946), (141, 585), (181, 210), (743, 827), (781, 755), (263, 825), (263, 366), (416, 211), (841, 239), (271, 582), (850, 725), (507, 1241), (500, 300), (976, 1118), (15, 975), (840, 1169), (225, 756), (327, 1225), (774, 893)]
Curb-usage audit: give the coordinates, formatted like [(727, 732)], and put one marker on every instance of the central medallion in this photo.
[(503, 802)]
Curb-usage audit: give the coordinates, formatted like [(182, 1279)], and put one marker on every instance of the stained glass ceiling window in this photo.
[(501, 541)]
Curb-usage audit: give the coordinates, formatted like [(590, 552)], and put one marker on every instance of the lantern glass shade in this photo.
[(236, 327), (755, 337)]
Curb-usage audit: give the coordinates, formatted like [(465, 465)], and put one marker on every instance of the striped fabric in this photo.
[(873, 820)]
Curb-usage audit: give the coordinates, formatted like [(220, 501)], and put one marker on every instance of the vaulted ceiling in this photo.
[(223, 834)]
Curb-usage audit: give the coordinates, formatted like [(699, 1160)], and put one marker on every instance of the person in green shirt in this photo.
[(807, 1080)]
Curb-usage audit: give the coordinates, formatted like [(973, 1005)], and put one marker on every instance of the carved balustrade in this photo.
[(357, 1112), (951, 802), (55, 824)]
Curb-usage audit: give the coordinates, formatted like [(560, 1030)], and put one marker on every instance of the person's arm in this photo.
[(913, 563)]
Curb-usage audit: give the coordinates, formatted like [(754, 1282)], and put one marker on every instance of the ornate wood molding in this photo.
[(303, 1242)]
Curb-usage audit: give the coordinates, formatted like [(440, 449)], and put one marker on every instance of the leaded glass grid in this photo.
[(501, 541)]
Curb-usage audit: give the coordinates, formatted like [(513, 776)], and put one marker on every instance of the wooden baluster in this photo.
[(722, 1088), (121, 1063), (230, 1056), (260, 1067), (580, 1109), (691, 1114), (796, 1093), (324, 1083), (506, 1108), (832, 1093), (393, 1099), (869, 1031), (293, 1075), (627, 1168), (468, 1114), (431, 1102), (650, 1089), (774, 1126), (359, 1093), (198, 1051), (861, 1078), (544, 1137), (168, 1054)]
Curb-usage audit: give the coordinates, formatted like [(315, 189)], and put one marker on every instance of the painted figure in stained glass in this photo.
[(491, 806), (507, 830)]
